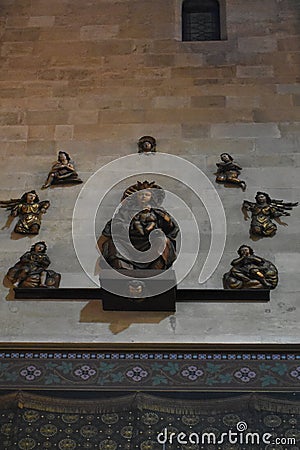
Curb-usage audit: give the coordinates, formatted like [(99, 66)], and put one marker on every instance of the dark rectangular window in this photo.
[(200, 20)]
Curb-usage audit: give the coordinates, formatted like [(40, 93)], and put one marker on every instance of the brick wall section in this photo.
[(93, 77)]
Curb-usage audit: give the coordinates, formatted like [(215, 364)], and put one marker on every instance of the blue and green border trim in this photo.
[(148, 367)]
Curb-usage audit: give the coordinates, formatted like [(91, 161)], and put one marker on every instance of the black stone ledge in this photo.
[(182, 295)]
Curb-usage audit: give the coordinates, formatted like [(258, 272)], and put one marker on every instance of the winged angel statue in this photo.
[(263, 211)]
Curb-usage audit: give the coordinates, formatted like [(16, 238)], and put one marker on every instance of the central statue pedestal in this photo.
[(137, 289)]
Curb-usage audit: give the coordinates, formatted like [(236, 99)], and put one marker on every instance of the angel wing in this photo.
[(248, 205), (9, 205), (282, 207)]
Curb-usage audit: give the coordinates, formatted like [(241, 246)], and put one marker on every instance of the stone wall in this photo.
[(91, 78)]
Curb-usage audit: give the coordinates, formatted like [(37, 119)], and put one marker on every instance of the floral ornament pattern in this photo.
[(192, 373), (69, 418), (231, 420), (190, 420), (261, 413), (48, 430), (164, 370), (293, 421), (110, 419), (150, 418), (69, 430), (127, 432), (295, 373), (88, 431), (136, 374), (211, 420), (108, 444), (148, 445), (67, 444), (85, 372), (293, 433), (30, 373), (245, 375), (27, 444), (51, 416), (272, 421), (29, 430), (7, 429), (31, 415)]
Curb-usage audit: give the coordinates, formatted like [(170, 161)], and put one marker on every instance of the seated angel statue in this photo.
[(31, 271), (62, 172), (250, 271)]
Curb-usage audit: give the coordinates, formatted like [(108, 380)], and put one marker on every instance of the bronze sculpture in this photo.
[(147, 144), (137, 291), (263, 211), (31, 271), (62, 172), (29, 208), (228, 172), (250, 272), (144, 214)]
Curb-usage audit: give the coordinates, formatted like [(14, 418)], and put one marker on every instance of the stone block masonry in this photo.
[(92, 77)]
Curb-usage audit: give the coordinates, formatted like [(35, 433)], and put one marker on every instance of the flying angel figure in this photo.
[(263, 211), (29, 209)]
